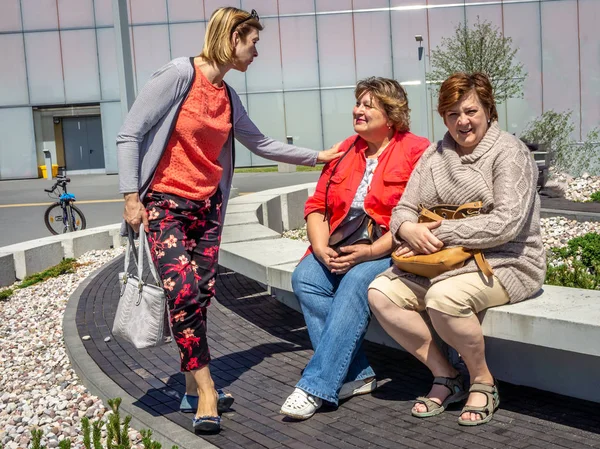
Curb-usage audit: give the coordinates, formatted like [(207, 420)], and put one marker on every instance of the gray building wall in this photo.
[(60, 54)]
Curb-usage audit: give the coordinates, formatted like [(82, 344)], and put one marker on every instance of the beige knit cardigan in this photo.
[(502, 174)]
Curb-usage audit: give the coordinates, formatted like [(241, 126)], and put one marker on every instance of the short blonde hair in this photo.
[(392, 97), (220, 28)]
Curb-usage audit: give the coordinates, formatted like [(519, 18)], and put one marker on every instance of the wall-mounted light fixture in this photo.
[(56, 120), (419, 39)]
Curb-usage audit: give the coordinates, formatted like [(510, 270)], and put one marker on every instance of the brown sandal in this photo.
[(456, 385), (487, 411)]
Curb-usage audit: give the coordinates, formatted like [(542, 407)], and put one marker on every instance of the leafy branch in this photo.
[(481, 48)]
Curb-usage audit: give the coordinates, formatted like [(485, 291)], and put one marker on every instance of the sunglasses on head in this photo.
[(253, 15)]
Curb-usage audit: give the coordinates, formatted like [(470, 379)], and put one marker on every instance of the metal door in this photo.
[(77, 154), (84, 148), (95, 143)]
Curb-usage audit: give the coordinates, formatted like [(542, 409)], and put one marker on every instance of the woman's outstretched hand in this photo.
[(329, 155), (420, 238), (135, 212), (350, 256)]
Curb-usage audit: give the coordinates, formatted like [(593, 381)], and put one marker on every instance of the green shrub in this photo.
[(576, 265), (117, 436), (574, 274), (36, 438), (587, 247), (5, 294), (555, 130), (595, 197), (65, 266)]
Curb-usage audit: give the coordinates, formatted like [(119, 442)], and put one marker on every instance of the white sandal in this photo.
[(357, 387), (300, 405)]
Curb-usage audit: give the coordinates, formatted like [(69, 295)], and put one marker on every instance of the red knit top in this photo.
[(189, 167)]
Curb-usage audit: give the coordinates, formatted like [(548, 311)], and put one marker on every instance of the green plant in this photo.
[(116, 432), (577, 264), (595, 197), (480, 48), (117, 436), (6, 293), (147, 441), (65, 266), (554, 130), (36, 438), (587, 248), (573, 274), (93, 434), (585, 157)]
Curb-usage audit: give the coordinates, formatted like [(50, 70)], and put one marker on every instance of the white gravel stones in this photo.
[(38, 385), (581, 189), (577, 189), (557, 231)]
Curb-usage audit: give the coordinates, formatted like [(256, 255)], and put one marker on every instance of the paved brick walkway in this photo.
[(259, 347)]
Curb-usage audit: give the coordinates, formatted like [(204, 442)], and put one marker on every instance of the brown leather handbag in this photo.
[(432, 265)]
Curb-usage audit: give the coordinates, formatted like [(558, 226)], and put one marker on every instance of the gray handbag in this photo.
[(142, 315)]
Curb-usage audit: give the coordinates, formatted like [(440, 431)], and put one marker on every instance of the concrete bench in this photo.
[(551, 342), (23, 259)]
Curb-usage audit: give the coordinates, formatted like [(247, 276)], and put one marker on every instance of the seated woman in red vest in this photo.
[(331, 281)]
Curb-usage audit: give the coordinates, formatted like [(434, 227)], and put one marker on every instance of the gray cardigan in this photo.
[(148, 126)]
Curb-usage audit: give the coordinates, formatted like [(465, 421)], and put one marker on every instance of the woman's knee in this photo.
[(300, 279), (378, 302), (305, 275), (386, 293)]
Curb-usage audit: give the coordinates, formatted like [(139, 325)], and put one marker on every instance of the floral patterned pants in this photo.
[(184, 237)]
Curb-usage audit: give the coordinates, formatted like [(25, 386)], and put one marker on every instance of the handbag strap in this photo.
[(144, 248), (431, 215), (436, 217), (130, 250), (327, 215), (473, 205), (482, 263)]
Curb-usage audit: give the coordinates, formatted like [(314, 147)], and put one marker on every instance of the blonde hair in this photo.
[(220, 28), (392, 97)]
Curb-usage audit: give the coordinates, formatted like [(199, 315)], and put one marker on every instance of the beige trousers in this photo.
[(458, 296)]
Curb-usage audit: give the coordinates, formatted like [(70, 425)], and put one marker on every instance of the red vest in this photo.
[(394, 167)]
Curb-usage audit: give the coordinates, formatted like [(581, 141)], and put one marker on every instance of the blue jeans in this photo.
[(337, 313)]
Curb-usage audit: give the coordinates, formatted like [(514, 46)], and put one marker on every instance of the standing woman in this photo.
[(176, 159)]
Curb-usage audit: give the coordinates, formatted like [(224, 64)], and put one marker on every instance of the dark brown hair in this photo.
[(460, 84), (392, 97)]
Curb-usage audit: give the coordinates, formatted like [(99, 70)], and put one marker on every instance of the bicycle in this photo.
[(63, 216)]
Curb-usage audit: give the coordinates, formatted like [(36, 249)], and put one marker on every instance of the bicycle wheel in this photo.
[(55, 219), (76, 218)]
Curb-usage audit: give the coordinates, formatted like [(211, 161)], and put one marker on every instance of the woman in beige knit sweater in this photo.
[(475, 161)]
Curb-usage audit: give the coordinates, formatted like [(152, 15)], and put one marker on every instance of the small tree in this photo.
[(554, 129), (481, 48)]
